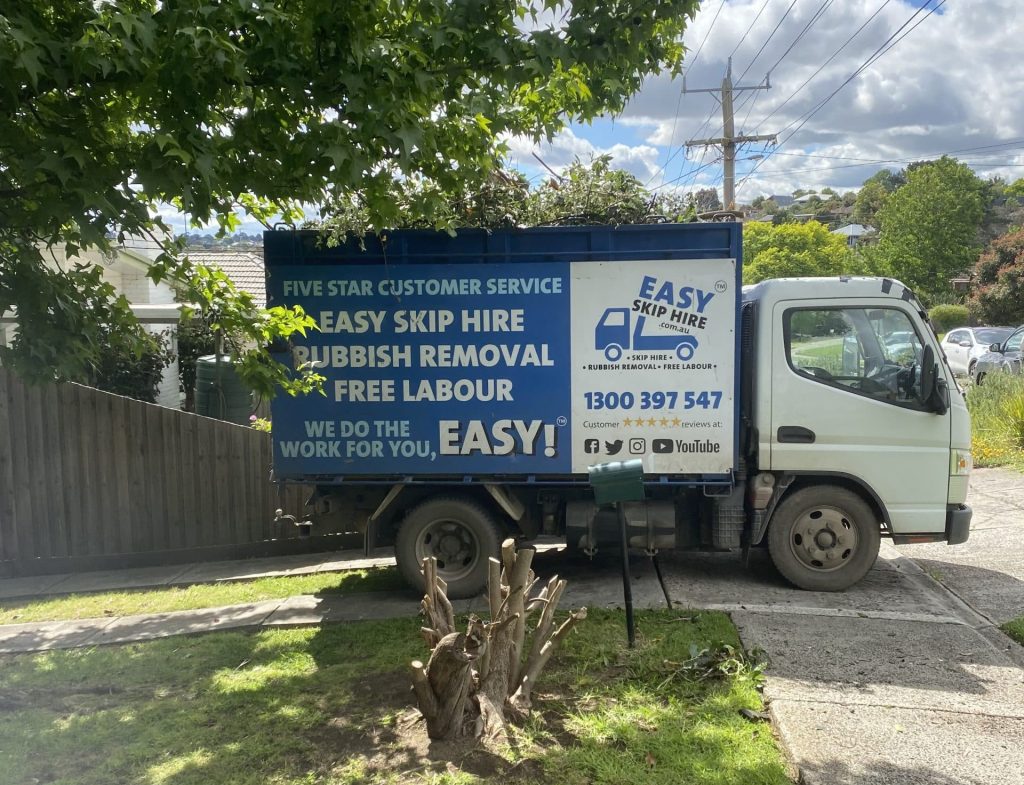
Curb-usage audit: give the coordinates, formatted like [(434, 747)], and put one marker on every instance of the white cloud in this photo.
[(566, 147), (952, 83)]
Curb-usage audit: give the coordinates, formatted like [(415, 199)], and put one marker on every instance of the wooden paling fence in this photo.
[(91, 480)]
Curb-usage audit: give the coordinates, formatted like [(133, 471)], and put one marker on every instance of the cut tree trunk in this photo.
[(481, 679)]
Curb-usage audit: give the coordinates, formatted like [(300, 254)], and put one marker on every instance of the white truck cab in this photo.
[(854, 408)]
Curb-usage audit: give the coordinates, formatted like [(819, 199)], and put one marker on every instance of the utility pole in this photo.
[(729, 140)]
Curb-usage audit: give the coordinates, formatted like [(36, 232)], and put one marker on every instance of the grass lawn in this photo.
[(1015, 629), (200, 595), (332, 706)]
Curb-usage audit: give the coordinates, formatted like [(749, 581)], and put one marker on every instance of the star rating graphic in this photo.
[(640, 422)]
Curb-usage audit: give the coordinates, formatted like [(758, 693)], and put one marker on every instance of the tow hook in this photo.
[(305, 527)]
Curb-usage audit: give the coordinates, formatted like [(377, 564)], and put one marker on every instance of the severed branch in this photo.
[(435, 605), (520, 702)]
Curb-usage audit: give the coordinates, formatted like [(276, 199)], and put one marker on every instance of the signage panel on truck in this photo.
[(483, 368)]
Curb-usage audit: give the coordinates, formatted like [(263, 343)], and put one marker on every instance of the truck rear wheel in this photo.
[(823, 538), (460, 533)]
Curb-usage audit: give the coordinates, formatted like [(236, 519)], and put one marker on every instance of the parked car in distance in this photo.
[(1003, 356), (965, 345)]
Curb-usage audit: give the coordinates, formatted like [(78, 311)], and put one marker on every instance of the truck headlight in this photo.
[(961, 463)]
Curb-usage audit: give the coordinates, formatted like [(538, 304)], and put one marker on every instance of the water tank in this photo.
[(219, 391)]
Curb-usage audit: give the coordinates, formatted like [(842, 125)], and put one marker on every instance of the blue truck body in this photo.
[(467, 359)]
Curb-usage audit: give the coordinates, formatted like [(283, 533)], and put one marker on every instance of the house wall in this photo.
[(169, 392), (128, 276)]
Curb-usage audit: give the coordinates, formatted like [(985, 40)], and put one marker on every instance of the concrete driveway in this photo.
[(897, 680)]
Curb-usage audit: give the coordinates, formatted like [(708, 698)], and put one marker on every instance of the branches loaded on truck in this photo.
[(472, 380)]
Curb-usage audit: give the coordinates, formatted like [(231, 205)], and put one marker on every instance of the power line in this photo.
[(679, 101), (830, 59), (887, 45), (886, 161), (1010, 144), (751, 27), (711, 27), (769, 38), (729, 138), (817, 15), (752, 100), (689, 175)]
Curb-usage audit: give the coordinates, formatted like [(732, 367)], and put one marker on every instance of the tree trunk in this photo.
[(481, 677)]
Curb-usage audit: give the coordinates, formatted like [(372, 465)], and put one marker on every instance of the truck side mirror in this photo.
[(996, 348), (934, 391)]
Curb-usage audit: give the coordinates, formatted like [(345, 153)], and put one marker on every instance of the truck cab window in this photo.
[(874, 352)]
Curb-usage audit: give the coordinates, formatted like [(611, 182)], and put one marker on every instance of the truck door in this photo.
[(846, 384)]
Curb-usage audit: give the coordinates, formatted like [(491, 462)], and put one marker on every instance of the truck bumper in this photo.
[(958, 524), (958, 529)]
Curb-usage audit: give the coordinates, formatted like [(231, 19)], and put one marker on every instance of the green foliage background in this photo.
[(110, 112)]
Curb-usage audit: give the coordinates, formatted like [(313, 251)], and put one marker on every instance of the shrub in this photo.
[(133, 370), (948, 317), (997, 420)]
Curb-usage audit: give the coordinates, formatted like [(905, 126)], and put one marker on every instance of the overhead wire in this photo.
[(751, 100), (889, 161), (824, 64), (689, 175), (679, 101), (1011, 144), (749, 28), (810, 23), (880, 52), (767, 40)]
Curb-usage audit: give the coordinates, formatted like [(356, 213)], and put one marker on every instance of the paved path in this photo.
[(897, 680)]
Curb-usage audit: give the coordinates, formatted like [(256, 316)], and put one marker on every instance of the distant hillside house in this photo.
[(782, 200), (244, 268), (855, 234)]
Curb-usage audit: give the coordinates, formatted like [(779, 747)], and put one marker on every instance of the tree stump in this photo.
[(480, 680)]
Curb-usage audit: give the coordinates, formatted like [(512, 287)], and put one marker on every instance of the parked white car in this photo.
[(965, 345)]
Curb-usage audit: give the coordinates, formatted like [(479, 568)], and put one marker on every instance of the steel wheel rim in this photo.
[(824, 538), (452, 543)]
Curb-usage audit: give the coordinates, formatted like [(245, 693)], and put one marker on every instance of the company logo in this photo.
[(591, 446), (662, 446), (637, 446), (613, 448), (619, 330)]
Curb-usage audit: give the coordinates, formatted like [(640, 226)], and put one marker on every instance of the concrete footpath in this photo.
[(905, 678)]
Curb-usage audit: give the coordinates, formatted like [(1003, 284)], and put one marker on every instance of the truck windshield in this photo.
[(870, 351)]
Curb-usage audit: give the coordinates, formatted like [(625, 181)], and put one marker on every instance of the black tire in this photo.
[(970, 368), (824, 538), (461, 533)]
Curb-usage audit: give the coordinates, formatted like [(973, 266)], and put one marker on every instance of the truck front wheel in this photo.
[(459, 533), (823, 538)]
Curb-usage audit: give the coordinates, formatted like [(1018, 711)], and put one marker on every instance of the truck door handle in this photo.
[(795, 434)]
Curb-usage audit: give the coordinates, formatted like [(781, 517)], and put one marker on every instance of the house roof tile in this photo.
[(244, 268)]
